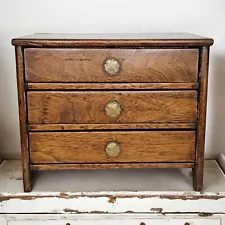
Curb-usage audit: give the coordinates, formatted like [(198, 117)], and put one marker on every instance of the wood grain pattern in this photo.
[(63, 89), (109, 166), (113, 40), (137, 65), (202, 105), (23, 120), (146, 126), (112, 86), (89, 147), (89, 107)]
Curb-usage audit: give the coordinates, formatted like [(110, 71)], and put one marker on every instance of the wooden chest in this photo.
[(90, 101)]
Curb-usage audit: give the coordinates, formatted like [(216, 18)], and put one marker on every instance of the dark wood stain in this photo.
[(201, 124), (89, 107), (63, 88), (147, 40), (23, 119), (140, 146), (137, 65), (80, 166), (113, 86)]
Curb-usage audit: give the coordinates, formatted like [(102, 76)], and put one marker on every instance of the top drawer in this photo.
[(111, 65)]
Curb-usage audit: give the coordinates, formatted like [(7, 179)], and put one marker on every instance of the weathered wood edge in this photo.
[(55, 166), (192, 195), (112, 42), (114, 203), (201, 123), (23, 119)]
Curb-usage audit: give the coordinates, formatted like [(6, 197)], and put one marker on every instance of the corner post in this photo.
[(23, 118), (201, 121)]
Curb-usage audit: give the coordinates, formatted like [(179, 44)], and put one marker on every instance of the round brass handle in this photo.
[(113, 149), (113, 109), (112, 66)]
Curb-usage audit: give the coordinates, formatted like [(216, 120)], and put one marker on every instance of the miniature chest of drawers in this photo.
[(99, 101)]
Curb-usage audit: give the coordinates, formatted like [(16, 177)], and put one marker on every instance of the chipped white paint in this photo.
[(112, 219), (94, 200), (102, 203)]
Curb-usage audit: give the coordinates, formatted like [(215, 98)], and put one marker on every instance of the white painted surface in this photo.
[(58, 193), (221, 161), (122, 204), (3, 220), (112, 220), (203, 17), (98, 207), (159, 180)]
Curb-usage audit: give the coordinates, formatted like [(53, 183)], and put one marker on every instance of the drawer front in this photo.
[(111, 107), (133, 221), (111, 65), (102, 147)]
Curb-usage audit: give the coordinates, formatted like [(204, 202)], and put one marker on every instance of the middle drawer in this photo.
[(69, 107)]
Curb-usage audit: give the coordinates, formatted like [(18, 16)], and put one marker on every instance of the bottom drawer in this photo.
[(112, 147), (113, 220)]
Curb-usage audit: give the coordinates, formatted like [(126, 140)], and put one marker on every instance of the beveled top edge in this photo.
[(113, 40)]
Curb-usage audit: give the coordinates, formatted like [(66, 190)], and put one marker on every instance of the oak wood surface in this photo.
[(63, 88), (202, 106), (86, 65), (109, 166), (112, 86), (89, 107), (23, 120), (113, 40), (89, 147), (146, 126)]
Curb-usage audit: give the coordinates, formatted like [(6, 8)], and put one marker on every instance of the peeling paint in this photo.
[(97, 212), (202, 214), (157, 210), (129, 211), (66, 196), (7, 198), (71, 211), (112, 199), (66, 210)]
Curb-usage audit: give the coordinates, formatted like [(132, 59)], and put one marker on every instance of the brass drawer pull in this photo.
[(113, 109), (112, 66), (113, 149)]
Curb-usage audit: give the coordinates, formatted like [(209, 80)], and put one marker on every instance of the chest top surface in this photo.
[(112, 39)]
